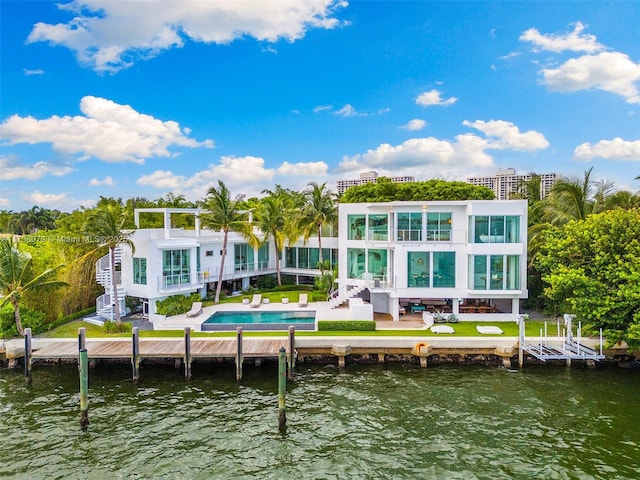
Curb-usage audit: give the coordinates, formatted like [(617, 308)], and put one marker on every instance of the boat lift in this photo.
[(564, 346)]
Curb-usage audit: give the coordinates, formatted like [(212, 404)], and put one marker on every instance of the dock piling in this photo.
[(282, 387), (82, 338), (135, 353), (292, 350), (187, 353), (83, 367), (239, 358), (27, 355)]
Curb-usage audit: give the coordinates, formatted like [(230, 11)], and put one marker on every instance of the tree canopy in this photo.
[(591, 268), (384, 190)]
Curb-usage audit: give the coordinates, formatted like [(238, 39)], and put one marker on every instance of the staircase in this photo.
[(343, 294), (104, 305)]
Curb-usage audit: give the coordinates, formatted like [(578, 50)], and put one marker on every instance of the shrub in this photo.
[(113, 327), (452, 318), (346, 325), (176, 304), (33, 319)]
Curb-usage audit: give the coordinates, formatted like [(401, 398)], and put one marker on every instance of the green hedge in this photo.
[(288, 288), (176, 304), (346, 325)]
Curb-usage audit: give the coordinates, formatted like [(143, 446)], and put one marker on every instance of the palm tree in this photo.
[(224, 213), (105, 224), (575, 199), (319, 209), (17, 278)]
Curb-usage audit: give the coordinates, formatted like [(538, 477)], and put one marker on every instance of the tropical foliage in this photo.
[(591, 268), (384, 190)]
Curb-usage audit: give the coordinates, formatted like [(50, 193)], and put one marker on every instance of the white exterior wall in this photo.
[(396, 284)]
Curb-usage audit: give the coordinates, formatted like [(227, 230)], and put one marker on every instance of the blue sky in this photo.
[(142, 98)]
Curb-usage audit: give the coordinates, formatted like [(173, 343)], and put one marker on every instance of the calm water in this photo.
[(367, 422)]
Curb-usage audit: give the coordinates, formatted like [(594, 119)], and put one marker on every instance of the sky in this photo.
[(142, 98)]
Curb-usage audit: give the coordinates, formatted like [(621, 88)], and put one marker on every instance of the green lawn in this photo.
[(467, 329)]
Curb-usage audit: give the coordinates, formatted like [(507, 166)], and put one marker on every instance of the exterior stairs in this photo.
[(104, 305), (344, 294)]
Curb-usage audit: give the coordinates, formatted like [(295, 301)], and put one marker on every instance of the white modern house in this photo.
[(170, 261), (468, 258)]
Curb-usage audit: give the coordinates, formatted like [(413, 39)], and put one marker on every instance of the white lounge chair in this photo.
[(428, 320), (303, 301), (256, 300), (489, 330), (196, 309), (442, 329)]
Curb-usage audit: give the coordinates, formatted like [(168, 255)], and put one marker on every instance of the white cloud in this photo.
[(433, 97), (37, 71), (574, 41), (616, 149), (108, 131), (431, 157), (506, 135), (4, 202), (11, 170), (613, 72), (60, 201), (349, 111), (248, 173), (94, 182), (109, 35), (415, 124), (322, 108)]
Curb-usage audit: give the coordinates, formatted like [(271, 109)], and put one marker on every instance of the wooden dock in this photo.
[(204, 348)]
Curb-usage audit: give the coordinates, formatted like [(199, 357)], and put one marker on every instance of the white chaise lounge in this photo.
[(303, 301), (196, 309), (256, 300)]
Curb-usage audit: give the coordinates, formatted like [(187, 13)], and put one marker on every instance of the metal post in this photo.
[(521, 333)]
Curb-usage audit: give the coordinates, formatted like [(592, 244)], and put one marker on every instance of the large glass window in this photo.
[(379, 227), (444, 269), (409, 227), (176, 268), (355, 262), (303, 257), (356, 227), (497, 229), (290, 259), (439, 226), (503, 272), (377, 263), (243, 257), (139, 271), (418, 269), (263, 256), (479, 272)]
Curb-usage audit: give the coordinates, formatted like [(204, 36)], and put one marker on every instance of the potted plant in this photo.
[(285, 300), (245, 300), (452, 318), (438, 317)]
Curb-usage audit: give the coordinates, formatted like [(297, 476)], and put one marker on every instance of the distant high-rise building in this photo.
[(368, 177), (505, 182)]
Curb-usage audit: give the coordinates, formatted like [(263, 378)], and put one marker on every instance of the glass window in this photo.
[(139, 271), (418, 269), (496, 272), (409, 227), (378, 227), (355, 262), (479, 272), (496, 227), (356, 227), (439, 226), (243, 257), (377, 263), (176, 268), (513, 272), (512, 228), (263, 256), (303, 257), (481, 229), (444, 269)]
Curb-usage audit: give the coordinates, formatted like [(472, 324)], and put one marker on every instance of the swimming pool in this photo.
[(273, 320)]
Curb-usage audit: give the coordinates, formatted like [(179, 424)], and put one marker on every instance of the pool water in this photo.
[(274, 320)]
